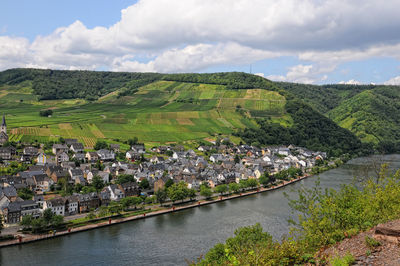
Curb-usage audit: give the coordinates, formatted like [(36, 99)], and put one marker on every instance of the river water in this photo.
[(171, 239)]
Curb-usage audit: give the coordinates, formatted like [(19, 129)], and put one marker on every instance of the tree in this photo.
[(264, 180), (57, 220), (133, 141), (252, 182), (88, 189), (221, 189), (169, 183), (48, 215), (25, 193), (237, 159), (234, 187), (100, 144), (121, 179), (91, 215), (26, 221), (97, 183), (161, 195), (150, 200), (243, 184), (114, 207), (205, 192), (178, 191), (191, 193), (144, 184), (46, 113), (62, 184), (78, 187)]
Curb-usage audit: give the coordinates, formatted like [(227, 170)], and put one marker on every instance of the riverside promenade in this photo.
[(24, 239)]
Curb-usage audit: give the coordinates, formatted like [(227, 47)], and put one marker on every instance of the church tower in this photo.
[(4, 125), (3, 131)]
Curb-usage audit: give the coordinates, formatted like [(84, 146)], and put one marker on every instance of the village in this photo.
[(70, 180)]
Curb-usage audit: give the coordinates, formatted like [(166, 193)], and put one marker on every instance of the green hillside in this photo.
[(161, 108), (371, 112), (162, 111)]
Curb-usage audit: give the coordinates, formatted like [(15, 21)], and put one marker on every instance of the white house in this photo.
[(106, 155), (71, 205), (115, 192), (56, 205), (41, 159), (104, 175)]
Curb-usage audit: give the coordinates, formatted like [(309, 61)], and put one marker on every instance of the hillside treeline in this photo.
[(232, 80), (309, 129), (63, 84)]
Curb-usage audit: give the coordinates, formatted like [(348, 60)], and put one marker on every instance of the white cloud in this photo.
[(303, 74), (351, 82), (176, 36), (194, 58), (393, 81)]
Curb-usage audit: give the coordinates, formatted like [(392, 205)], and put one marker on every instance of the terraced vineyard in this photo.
[(160, 112)]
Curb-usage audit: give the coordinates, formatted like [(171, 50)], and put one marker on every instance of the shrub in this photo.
[(371, 242), (347, 260)]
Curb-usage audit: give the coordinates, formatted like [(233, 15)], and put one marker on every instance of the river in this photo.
[(170, 239)]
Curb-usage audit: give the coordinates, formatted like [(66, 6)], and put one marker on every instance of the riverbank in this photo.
[(22, 239)]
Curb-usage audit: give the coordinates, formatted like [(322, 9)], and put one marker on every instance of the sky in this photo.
[(303, 41)]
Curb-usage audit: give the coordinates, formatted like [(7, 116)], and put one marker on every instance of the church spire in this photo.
[(4, 121)]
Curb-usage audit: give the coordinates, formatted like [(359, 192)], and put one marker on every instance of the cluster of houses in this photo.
[(214, 164)]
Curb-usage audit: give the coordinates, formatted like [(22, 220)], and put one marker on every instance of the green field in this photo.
[(160, 112)]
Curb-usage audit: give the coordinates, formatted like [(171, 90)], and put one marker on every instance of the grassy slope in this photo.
[(163, 111), (370, 112)]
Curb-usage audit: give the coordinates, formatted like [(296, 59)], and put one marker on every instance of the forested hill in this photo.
[(64, 84), (372, 112)]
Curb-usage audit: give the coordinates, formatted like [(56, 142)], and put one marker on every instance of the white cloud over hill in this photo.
[(191, 35)]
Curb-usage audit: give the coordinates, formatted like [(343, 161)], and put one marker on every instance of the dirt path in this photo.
[(387, 253)]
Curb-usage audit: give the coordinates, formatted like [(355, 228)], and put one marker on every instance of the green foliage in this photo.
[(13, 168), (25, 193), (252, 182), (310, 129), (205, 191), (371, 242), (124, 179), (161, 195), (115, 207), (61, 84), (100, 144), (347, 260), (132, 141), (144, 184), (46, 113), (234, 187), (169, 183), (232, 80), (369, 111), (221, 189), (266, 179), (325, 217), (130, 201), (48, 221), (178, 191), (97, 183)]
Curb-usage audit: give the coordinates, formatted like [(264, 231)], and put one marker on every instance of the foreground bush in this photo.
[(325, 217)]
